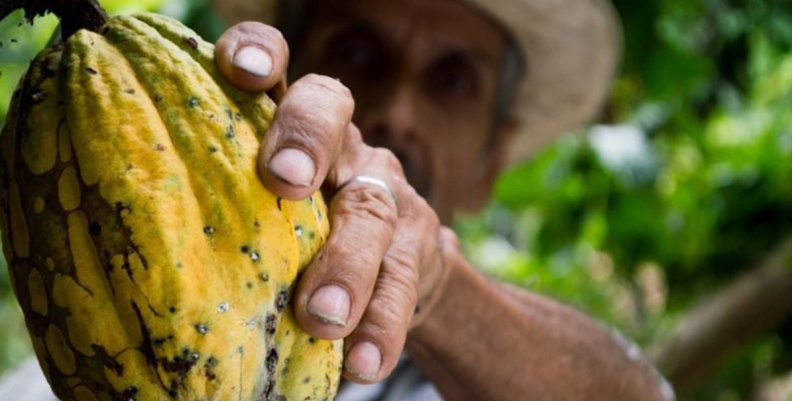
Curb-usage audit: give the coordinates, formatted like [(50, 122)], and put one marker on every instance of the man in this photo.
[(455, 90)]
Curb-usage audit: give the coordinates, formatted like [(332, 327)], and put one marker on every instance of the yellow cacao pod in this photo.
[(150, 262)]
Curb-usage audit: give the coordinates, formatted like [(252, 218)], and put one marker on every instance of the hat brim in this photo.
[(571, 50)]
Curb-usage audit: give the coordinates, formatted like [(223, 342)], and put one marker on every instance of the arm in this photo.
[(507, 344)]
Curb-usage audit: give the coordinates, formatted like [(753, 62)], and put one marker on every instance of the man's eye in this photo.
[(353, 53), (453, 81), (348, 50), (454, 78)]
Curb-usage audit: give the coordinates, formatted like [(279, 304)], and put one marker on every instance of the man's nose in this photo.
[(392, 121)]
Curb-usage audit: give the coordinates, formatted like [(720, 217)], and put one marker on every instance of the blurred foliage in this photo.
[(682, 187), (686, 185)]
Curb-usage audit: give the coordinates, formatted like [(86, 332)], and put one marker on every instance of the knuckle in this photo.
[(365, 202), (400, 264), (256, 30), (386, 318), (357, 263), (316, 106), (419, 211), (381, 320), (354, 137), (308, 126), (329, 85), (387, 158), (392, 305), (449, 239)]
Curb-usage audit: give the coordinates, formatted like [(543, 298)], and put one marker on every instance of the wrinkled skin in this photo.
[(425, 89)]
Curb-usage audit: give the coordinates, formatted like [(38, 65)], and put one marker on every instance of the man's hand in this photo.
[(383, 260)]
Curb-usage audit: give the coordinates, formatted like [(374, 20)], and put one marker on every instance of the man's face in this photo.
[(424, 77)]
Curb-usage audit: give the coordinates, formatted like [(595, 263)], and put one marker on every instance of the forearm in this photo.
[(487, 341)]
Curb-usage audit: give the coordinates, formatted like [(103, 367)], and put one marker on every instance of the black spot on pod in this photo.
[(238, 116), (202, 328), (129, 91), (182, 364), (13, 40), (264, 277), (210, 375), (91, 71), (193, 101), (245, 249), (311, 340), (172, 309), (249, 285), (95, 228), (279, 200), (281, 300), (211, 362), (213, 149), (192, 42), (130, 394), (160, 147), (157, 98), (270, 324), (254, 256), (208, 230), (230, 132), (272, 361)]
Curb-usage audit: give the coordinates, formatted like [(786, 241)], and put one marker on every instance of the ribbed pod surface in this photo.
[(149, 260)]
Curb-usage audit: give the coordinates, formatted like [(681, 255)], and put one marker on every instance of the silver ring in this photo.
[(367, 179)]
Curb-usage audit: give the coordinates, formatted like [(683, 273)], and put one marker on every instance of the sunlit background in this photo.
[(669, 219)]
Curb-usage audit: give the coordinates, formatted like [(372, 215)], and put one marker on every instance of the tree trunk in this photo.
[(736, 314)]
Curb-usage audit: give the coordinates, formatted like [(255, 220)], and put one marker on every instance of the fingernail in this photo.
[(254, 61), (293, 166), (363, 361), (330, 305)]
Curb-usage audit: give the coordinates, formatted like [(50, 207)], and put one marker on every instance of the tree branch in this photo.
[(736, 314)]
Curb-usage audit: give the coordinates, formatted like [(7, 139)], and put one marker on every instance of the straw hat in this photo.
[(571, 49)]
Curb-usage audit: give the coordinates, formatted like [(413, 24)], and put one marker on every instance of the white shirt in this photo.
[(27, 383)]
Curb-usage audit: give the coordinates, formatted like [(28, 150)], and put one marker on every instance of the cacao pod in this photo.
[(149, 260)]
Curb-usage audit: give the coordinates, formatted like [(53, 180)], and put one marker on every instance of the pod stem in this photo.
[(74, 14)]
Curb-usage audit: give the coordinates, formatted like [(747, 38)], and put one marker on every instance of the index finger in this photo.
[(252, 56)]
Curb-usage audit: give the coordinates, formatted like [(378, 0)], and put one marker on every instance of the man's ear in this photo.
[(493, 162)]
